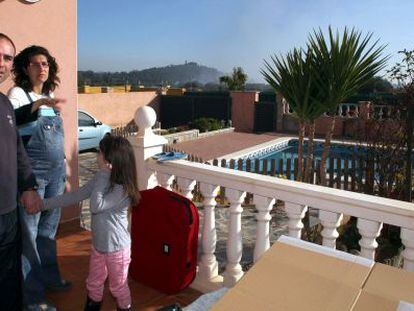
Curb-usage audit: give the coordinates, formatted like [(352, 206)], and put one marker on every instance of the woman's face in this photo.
[(38, 69)]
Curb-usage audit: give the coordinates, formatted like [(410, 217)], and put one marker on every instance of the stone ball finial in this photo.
[(145, 118)]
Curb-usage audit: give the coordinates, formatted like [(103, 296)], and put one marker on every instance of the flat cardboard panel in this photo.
[(292, 278), (372, 302), (390, 281), (385, 288)]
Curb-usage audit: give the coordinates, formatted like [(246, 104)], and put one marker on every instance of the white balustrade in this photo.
[(286, 106), (407, 238), (370, 211), (186, 186), (356, 111), (397, 115), (165, 180), (208, 266), (295, 212), (380, 113), (348, 110), (330, 221), (384, 112), (369, 231), (234, 241), (263, 205)]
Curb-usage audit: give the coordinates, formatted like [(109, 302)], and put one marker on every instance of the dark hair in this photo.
[(5, 37), (22, 61), (118, 152)]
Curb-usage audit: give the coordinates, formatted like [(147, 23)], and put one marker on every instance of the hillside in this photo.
[(174, 75)]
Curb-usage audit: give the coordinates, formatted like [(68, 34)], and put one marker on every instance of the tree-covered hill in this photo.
[(174, 75)]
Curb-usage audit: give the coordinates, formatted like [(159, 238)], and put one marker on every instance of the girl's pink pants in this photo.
[(115, 266)]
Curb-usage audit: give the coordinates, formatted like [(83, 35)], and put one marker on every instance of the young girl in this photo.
[(111, 191)]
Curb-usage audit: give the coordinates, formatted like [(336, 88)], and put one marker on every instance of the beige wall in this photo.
[(242, 110), (52, 24), (117, 109)]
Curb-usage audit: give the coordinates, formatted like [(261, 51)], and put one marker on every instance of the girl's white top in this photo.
[(109, 210)]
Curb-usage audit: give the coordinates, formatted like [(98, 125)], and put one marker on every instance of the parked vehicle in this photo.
[(90, 131)]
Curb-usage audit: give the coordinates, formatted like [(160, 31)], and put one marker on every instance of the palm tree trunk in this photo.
[(300, 149), (309, 160), (326, 146)]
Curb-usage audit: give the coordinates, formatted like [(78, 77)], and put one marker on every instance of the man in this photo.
[(15, 176)]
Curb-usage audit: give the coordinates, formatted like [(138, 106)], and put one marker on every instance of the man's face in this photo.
[(6, 58)]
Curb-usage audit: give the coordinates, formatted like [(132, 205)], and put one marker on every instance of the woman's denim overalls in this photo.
[(46, 152)]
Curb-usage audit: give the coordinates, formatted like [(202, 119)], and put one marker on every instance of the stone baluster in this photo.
[(347, 111), (380, 113), (208, 266), (234, 241), (398, 114), (389, 112), (186, 186), (369, 230), (407, 238), (295, 212), (330, 221), (263, 205), (356, 111), (165, 180)]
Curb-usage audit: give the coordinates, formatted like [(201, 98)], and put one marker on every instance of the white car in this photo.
[(90, 131)]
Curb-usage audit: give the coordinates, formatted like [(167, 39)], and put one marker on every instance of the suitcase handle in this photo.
[(187, 205)]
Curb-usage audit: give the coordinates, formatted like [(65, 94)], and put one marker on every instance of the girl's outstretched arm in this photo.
[(101, 198), (70, 198)]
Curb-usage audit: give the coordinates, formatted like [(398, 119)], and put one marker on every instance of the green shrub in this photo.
[(206, 124)]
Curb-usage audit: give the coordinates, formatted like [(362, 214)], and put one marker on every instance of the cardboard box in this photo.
[(387, 288), (297, 275)]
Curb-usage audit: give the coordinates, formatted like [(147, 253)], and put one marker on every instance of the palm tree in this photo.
[(292, 77), (343, 64), (237, 80)]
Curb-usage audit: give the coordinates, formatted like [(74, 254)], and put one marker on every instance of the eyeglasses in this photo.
[(39, 65)]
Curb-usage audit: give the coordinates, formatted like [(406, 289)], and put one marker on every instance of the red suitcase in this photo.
[(164, 233)]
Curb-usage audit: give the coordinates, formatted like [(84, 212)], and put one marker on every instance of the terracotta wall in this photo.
[(117, 109), (50, 23), (242, 110), (322, 125)]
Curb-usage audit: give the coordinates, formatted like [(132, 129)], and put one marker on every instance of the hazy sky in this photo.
[(134, 34)]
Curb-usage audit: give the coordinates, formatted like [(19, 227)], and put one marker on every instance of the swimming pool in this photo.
[(280, 158)]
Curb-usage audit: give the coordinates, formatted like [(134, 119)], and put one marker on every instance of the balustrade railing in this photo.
[(352, 110), (371, 211)]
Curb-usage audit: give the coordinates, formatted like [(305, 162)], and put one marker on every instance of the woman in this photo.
[(40, 125)]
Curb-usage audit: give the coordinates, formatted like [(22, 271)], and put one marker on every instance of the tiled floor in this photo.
[(219, 145), (73, 256)]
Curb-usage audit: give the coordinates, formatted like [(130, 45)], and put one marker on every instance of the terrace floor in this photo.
[(219, 145), (73, 257)]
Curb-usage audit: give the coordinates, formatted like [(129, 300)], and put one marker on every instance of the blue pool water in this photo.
[(290, 151)]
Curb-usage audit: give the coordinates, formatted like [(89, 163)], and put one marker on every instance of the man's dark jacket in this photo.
[(15, 170)]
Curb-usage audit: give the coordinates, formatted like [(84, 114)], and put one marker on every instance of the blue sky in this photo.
[(125, 35)]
